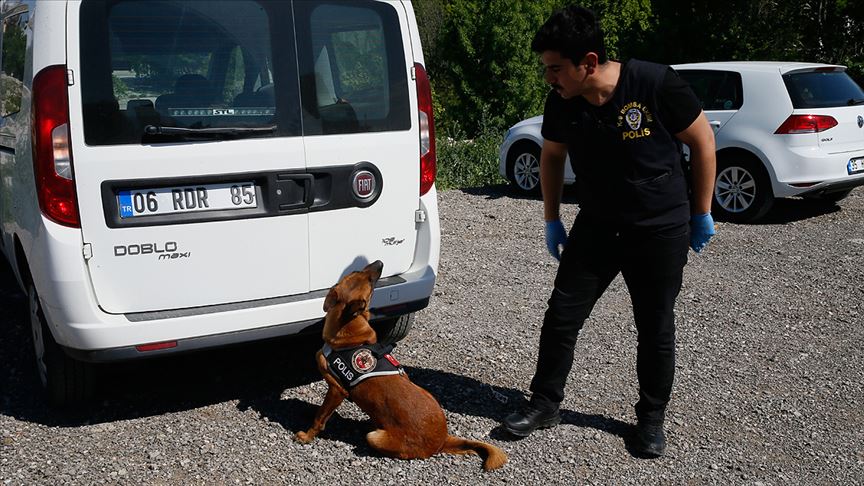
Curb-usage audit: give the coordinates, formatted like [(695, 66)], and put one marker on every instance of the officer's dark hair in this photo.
[(572, 31)]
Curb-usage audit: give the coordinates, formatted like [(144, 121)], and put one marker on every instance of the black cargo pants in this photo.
[(652, 264)]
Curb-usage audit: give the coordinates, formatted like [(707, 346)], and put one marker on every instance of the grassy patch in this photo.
[(468, 163)]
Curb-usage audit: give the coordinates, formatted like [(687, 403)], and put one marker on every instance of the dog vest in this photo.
[(352, 365)]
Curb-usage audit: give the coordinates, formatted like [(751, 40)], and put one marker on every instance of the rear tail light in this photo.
[(806, 124), (52, 151), (427, 130)]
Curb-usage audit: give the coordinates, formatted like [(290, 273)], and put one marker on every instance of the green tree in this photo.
[(479, 57), (486, 64)]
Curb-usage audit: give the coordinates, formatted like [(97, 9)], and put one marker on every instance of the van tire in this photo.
[(748, 176), (66, 382), (391, 331)]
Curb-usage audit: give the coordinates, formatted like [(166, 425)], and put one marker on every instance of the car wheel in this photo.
[(65, 381), (742, 191), (523, 167), (391, 331)]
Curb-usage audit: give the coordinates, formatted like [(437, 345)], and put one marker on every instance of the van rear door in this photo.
[(187, 151), (360, 125)]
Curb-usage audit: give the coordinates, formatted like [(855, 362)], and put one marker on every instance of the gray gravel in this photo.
[(768, 389)]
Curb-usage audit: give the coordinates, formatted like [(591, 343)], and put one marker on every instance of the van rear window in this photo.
[(151, 66), (353, 76), (163, 71), (822, 89)]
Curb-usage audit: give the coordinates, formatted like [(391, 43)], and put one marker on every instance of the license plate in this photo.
[(855, 166), (187, 199)]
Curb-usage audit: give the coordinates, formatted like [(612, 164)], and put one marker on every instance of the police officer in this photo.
[(622, 124)]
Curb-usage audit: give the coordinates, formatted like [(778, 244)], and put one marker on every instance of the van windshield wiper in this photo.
[(853, 102), (195, 132)]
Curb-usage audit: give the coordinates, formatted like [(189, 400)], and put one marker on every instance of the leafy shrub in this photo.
[(464, 162)]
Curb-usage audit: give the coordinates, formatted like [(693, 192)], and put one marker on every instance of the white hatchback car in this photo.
[(782, 129)]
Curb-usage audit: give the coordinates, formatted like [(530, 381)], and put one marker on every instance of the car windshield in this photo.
[(183, 64), (822, 89)]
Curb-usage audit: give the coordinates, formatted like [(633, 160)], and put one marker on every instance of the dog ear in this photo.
[(355, 307), (331, 299), (374, 270)]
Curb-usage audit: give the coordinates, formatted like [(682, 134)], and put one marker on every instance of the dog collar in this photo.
[(352, 365)]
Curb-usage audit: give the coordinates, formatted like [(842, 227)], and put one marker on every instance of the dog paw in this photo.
[(303, 437)]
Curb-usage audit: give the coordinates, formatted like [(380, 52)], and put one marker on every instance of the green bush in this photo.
[(466, 162)]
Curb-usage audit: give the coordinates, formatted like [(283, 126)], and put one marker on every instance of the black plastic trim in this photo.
[(835, 187), (279, 193)]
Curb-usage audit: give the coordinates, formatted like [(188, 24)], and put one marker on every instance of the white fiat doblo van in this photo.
[(179, 174)]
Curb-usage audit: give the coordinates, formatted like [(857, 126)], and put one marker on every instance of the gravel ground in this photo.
[(768, 389)]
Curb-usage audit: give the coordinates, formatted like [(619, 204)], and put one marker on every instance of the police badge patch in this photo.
[(363, 361), (634, 118), (638, 118)]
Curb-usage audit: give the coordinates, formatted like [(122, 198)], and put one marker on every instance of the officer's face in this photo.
[(567, 78)]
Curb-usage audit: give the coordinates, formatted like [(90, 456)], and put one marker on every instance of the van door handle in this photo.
[(308, 183), (715, 124)]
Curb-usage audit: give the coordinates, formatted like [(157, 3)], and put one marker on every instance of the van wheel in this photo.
[(391, 331), (523, 167), (65, 381), (742, 191)]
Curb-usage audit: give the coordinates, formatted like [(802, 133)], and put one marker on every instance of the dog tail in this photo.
[(493, 457)]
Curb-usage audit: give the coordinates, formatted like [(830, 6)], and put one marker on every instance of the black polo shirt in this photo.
[(627, 161)]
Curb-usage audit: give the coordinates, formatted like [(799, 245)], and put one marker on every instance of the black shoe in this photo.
[(650, 439), (529, 419)]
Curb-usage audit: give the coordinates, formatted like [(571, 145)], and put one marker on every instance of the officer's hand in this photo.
[(701, 231), (556, 237)]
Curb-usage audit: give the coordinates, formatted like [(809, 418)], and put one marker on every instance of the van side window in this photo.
[(185, 64), (717, 90), (352, 65), (12, 63)]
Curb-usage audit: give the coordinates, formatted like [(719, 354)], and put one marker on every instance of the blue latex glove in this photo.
[(701, 231), (556, 236)]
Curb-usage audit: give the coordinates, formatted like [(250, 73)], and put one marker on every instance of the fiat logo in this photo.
[(363, 184), (860, 121)]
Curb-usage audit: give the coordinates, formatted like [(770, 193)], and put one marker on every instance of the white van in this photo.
[(180, 174)]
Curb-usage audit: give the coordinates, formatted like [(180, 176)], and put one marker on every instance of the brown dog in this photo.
[(409, 422)]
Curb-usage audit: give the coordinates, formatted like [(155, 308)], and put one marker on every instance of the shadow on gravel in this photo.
[(155, 387), (455, 393), (146, 388), (786, 210), (797, 209), (295, 415)]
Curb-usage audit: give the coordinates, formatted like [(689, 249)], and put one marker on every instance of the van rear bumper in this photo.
[(92, 335), (311, 326)]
